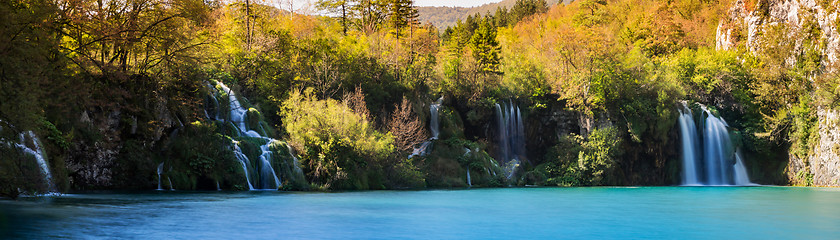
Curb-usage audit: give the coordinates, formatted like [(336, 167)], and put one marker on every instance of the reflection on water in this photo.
[(591, 213)]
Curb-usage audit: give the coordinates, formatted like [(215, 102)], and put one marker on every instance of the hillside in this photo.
[(443, 17)]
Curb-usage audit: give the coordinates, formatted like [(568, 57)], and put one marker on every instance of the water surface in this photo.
[(506, 213)]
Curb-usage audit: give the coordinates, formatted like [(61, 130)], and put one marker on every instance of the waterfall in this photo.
[(171, 188), (434, 128), (511, 137), (434, 121), (267, 171), (245, 163), (237, 113), (159, 171), (38, 152), (469, 181), (741, 177), (294, 160), (716, 150), (421, 150), (264, 177), (688, 131), (720, 163)]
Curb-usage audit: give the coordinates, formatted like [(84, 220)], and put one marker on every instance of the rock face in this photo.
[(745, 23), (91, 160), (822, 166), (545, 127), (825, 160)]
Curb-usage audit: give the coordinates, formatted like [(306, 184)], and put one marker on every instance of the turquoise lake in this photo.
[(503, 213)]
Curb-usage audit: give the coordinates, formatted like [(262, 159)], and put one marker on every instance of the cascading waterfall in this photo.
[(434, 121), (469, 181), (264, 177), (294, 160), (245, 163), (511, 137), (717, 150), (159, 171), (434, 128), (266, 169), (719, 163), (38, 152), (741, 177), (688, 131), (171, 188)]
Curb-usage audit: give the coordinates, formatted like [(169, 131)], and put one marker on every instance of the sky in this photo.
[(422, 3), (453, 3)]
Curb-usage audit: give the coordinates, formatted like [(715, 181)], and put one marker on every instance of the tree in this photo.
[(132, 36), (525, 8), (406, 127), (27, 47), (372, 14), (485, 48), (341, 8), (402, 14), (500, 18)]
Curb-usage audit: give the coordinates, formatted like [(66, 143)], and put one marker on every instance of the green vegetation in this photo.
[(340, 147), (116, 88), (578, 161)]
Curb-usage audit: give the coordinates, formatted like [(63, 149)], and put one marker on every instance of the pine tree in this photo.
[(485, 47), (343, 9), (371, 14), (403, 14)]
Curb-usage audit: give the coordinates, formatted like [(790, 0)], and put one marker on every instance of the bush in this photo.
[(598, 160), (577, 162), (200, 157), (341, 149), (19, 173), (561, 169), (288, 167)]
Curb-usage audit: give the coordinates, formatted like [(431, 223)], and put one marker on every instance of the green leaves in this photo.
[(485, 48), (340, 144)]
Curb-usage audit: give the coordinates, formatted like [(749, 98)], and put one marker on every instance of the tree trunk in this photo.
[(248, 24)]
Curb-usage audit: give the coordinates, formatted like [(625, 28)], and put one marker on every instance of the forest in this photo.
[(238, 95)]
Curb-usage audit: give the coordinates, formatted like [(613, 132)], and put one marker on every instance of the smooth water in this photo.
[(506, 213)]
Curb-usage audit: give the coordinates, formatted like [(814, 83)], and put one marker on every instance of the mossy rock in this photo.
[(451, 125), (253, 117), (449, 160), (284, 162), (231, 129)]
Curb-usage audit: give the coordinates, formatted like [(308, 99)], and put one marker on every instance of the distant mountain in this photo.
[(443, 17)]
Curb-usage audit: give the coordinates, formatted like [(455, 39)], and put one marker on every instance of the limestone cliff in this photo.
[(825, 160), (745, 25), (93, 161)]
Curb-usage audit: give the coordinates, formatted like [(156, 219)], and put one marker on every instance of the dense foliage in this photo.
[(114, 88)]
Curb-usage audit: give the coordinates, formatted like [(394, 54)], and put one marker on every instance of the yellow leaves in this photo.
[(310, 121)]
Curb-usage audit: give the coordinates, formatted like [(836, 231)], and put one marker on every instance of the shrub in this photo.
[(598, 160), (341, 149), (576, 161), (200, 157)]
